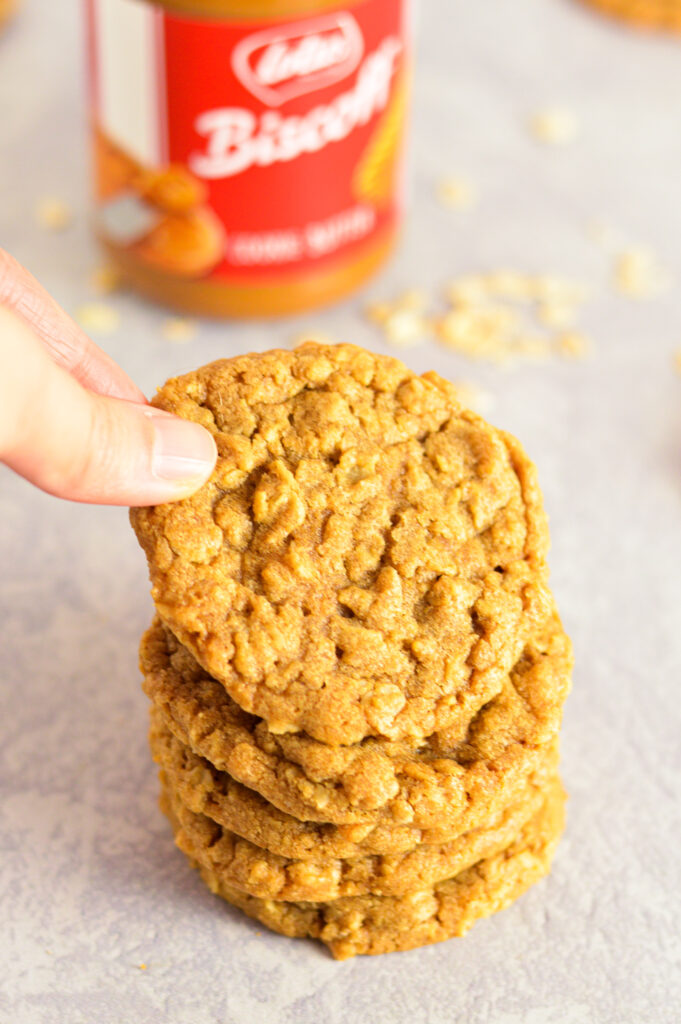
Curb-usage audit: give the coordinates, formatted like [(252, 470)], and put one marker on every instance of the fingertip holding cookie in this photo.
[(183, 453)]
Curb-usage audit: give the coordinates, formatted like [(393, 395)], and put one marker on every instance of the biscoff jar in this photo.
[(7, 9), (659, 14), (248, 154)]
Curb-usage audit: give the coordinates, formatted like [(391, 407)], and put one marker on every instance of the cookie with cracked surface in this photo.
[(238, 863), (368, 557), (452, 780), (384, 924), (215, 794)]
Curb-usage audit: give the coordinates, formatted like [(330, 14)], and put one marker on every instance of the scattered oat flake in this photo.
[(405, 327), (379, 312), (456, 193), (639, 274), (496, 316), (53, 214), (507, 284), (489, 333), (105, 280), (556, 126), (559, 315), (98, 318), (573, 345), (404, 321), (467, 291), (179, 330)]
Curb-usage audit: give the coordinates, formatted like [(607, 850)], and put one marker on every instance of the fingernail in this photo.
[(182, 450)]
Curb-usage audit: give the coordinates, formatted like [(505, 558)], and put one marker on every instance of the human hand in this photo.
[(72, 422)]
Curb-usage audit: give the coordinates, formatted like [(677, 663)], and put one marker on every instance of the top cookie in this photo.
[(342, 572)]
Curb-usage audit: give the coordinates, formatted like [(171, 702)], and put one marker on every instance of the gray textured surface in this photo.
[(90, 884)]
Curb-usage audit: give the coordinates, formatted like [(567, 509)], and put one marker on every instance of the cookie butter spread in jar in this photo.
[(248, 154), (7, 8)]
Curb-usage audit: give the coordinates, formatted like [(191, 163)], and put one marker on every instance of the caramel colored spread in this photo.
[(7, 8)]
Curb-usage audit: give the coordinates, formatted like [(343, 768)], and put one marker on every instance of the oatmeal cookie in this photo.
[(368, 557), (452, 780), (215, 794), (382, 924), (239, 864)]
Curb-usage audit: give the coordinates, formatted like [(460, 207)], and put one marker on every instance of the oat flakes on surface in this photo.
[(557, 126), (366, 556), (457, 193), (53, 214), (503, 316), (639, 274)]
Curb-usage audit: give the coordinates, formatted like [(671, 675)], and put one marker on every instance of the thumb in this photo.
[(88, 447)]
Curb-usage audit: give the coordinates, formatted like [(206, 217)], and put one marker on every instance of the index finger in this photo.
[(68, 345)]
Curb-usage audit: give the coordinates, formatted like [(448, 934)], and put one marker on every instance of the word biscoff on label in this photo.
[(227, 149)]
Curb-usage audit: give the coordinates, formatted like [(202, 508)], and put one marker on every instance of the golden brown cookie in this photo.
[(368, 557), (663, 14), (239, 864), (452, 780), (205, 790), (383, 924)]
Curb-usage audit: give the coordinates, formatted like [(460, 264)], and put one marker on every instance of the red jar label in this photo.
[(236, 149)]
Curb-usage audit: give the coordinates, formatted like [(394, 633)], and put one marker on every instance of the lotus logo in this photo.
[(281, 63)]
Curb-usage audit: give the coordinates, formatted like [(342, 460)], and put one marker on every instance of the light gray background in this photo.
[(90, 884)]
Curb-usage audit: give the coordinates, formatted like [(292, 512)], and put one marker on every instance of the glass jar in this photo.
[(656, 14), (7, 9), (248, 154)]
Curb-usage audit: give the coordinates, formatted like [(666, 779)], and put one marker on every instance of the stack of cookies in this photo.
[(356, 670)]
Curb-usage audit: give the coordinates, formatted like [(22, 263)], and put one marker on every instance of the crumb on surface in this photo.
[(639, 274), (179, 330), (405, 320), (98, 318), (456, 193), (557, 314), (556, 126), (53, 214), (573, 345), (498, 316)]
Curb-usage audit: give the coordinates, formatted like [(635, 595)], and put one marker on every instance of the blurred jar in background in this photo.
[(7, 9), (662, 14), (248, 154)]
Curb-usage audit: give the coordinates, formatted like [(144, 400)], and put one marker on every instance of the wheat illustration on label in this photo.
[(374, 177)]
